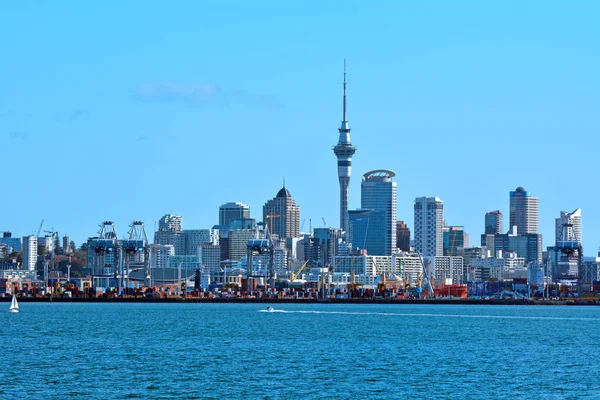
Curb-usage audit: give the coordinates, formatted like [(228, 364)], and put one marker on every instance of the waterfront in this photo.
[(122, 350)]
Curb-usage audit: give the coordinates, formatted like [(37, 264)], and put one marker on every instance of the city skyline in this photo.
[(173, 111)]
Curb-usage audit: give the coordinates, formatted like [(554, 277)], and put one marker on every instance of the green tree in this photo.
[(57, 247), (42, 250), (72, 246)]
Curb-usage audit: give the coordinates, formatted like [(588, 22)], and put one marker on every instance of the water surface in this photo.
[(157, 351)]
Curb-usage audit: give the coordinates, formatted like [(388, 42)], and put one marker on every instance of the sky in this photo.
[(123, 111)]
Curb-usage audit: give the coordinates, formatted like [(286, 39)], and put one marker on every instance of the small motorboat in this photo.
[(270, 309)]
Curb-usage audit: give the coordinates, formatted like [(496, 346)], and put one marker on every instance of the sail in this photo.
[(13, 304)]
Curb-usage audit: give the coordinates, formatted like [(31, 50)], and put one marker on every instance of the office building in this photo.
[(429, 223), (507, 266), (170, 223), (238, 243), (210, 257), (493, 222), (282, 215), (568, 227), (402, 236), (170, 232), (367, 231), (448, 269), (378, 193), (159, 255), (523, 211), (455, 239), (493, 225), (322, 247), (13, 244), (527, 246), (344, 150), (196, 237), (231, 211), (30, 252)]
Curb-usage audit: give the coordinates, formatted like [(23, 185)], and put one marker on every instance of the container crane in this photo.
[(425, 274), (294, 275)]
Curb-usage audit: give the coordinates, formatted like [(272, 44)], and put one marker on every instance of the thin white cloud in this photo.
[(200, 94)]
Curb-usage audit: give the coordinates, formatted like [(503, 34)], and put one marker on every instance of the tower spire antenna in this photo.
[(344, 117)]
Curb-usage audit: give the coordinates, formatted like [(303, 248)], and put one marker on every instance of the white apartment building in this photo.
[(30, 252), (429, 223)]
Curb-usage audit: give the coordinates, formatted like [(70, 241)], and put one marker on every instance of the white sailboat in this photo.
[(14, 306)]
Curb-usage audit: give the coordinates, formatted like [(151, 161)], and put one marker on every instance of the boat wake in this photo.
[(387, 314), (273, 311)]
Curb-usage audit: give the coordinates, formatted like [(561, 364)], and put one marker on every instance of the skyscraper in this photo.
[(170, 232), (378, 193), (493, 222), (523, 211), (402, 236), (282, 215), (231, 211), (30, 252), (344, 150), (493, 226), (568, 226), (429, 224)]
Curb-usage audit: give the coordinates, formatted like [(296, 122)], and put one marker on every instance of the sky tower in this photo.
[(344, 152)]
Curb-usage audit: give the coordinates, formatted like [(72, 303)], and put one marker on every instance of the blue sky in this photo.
[(130, 110)]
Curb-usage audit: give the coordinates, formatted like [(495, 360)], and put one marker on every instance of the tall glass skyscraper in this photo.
[(229, 212), (373, 227)]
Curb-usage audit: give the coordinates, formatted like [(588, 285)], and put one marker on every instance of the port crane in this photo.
[(425, 274), (294, 275), (40, 228)]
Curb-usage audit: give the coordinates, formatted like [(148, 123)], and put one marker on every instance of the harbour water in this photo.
[(157, 351)]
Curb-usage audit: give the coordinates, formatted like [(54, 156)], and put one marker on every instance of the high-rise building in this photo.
[(378, 193), (323, 245), (493, 225), (238, 243), (455, 239), (282, 215), (527, 246), (429, 223), (196, 237), (568, 226), (402, 236), (367, 230), (30, 252), (493, 222), (523, 211), (170, 232), (210, 257), (344, 150), (170, 223), (231, 211)]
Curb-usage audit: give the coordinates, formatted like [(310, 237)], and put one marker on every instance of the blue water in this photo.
[(157, 351)]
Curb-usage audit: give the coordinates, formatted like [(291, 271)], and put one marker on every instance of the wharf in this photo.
[(579, 302)]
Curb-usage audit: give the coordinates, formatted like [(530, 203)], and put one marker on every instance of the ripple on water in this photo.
[(97, 351)]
